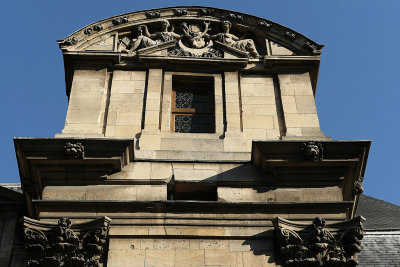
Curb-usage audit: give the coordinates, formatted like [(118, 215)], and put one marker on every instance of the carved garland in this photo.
[(316, 246), (61, 246)]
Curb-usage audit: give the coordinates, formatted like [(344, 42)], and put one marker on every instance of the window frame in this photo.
[(193, 86)]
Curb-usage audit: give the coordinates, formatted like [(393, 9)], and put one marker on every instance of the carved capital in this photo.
[(313, 151), (74, 150), (318, 244), (64, 244)]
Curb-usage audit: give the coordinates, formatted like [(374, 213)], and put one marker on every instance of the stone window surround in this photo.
[(167, 105)]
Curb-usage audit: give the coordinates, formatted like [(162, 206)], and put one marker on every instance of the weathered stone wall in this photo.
[(124, 115), (256, 107), (132, 252)]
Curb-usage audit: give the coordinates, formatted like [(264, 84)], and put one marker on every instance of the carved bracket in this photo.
[(357, 187), (119, 21), (318, 244), (63, 244), (152, 14), (313, 151), (74, 150), (180, 12), (95, 28)]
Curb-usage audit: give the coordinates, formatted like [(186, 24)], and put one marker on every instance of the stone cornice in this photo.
[(271, 30)]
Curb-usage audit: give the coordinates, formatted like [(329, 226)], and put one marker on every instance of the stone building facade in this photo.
[(191, 139)]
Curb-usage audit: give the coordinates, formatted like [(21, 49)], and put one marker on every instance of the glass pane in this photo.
[(192, 124), (192, 99)]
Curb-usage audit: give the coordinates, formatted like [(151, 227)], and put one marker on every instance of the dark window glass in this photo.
[(193, 104)]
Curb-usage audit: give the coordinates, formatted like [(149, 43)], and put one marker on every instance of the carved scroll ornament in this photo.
[(60, 245), (315, 245)]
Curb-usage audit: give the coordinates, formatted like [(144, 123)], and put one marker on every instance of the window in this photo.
[(193, 109)]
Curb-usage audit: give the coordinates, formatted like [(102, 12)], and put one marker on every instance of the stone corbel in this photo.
[(66, 244), (318, 244)]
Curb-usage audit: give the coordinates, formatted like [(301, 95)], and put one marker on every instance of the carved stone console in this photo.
[(64, 244), (318, 244)]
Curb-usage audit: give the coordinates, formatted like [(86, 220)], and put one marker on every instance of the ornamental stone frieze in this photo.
[(195, 27), (65, 244), (318, 244)]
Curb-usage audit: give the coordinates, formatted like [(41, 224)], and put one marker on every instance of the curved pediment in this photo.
[(190, 31)]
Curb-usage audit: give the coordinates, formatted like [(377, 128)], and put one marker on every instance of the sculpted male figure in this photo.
[(232, 40), (146, 39)]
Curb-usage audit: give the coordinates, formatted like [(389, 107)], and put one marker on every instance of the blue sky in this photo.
[(358, 94)]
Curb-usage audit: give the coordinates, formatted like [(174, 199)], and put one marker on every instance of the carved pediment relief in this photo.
[(198, 32)]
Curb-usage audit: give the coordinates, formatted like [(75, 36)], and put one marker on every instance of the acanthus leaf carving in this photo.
[(315, 245), (74, 150), (59, 245)]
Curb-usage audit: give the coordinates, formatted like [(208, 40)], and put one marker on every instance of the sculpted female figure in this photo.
[(146, 39), (232, 40)]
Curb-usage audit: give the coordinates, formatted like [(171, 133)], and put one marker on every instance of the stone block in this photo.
[(124, 86), (259, 109), (171, 244), (255, 134), (160, 258), (222, 257), (127, 258), (110, 192), (129, 118), (251, 259), (187, 258), (126, 131), (194, 175), (83, 116), (262, 100), (146, 244), (138, 75), (151, 192), (301, 120), (120, 75), (305, 104), (207, 145), (257, 122), (289, 104), (86, 100), (161, 170), (182, 143), (214, 244), (142, 170), (236, 144)]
